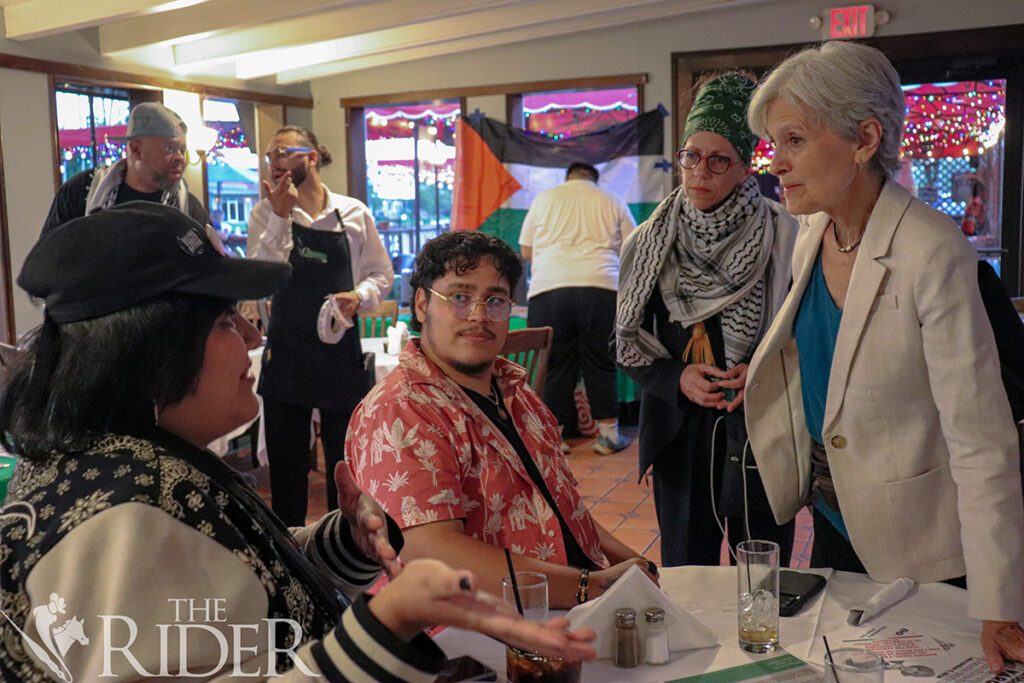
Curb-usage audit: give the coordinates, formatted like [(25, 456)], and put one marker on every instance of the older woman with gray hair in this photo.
[(876, 392)]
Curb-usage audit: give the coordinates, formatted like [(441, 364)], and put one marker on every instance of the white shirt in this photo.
[(371, 267), (576, 231)]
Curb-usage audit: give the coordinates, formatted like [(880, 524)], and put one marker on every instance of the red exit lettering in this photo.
[(852, 22)]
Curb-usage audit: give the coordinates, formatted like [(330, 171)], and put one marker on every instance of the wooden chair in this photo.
[(530, 347), (376, 323)]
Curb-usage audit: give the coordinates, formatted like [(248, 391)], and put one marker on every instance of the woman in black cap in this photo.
[(128, 550)]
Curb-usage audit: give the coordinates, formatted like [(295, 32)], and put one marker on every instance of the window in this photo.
[(86, 119), (410, 172), (953, 147), (567, 113), (232, 169)]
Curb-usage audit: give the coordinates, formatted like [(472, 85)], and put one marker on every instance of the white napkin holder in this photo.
[(398, 337), (633, 589)]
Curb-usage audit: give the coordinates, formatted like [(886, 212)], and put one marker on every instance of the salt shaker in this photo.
[(656, 640), (627, 638)]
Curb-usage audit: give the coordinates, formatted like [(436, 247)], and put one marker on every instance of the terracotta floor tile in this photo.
[(641, 522), (637, 539), (653, 551), (608, 520), (596, 486), (627, 491), (615, 507)]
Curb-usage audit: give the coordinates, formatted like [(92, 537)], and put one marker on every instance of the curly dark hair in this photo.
[(105, 375), (461, 251)]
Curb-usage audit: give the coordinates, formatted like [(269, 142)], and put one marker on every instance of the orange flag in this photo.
[(482, 183)]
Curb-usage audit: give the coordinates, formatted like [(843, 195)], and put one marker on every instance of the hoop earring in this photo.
[(156, 414)]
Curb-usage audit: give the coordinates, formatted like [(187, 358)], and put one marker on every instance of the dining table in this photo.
[(709, 594)]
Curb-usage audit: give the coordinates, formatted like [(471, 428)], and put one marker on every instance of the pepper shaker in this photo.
[(656, 640), (627, 638)]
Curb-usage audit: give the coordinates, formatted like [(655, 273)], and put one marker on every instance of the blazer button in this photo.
[(838, 442)]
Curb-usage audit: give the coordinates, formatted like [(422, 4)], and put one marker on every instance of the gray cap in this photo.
[(152, 118)]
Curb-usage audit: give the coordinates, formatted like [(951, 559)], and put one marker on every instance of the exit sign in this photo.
[(851, 22)]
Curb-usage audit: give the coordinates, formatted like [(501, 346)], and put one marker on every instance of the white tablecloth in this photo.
[(709, 593), (384, 364)]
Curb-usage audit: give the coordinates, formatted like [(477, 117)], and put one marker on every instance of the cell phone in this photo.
[(465, 669), (796, 589), (729, 394)]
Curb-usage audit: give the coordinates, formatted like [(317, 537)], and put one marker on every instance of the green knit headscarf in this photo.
[(721, 107)]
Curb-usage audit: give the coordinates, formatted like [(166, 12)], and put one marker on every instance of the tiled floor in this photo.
[(609, 486), (625, 507)]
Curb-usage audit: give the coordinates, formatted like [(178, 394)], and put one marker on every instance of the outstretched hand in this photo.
[(367, 519), (429, 592), (1001, 640)]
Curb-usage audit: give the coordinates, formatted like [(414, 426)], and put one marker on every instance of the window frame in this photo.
[(514, 102)]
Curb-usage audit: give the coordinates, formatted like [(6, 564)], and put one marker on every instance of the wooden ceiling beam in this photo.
[(212, 18), (512, 32), (338, 24), (534, 19), (39, 18)]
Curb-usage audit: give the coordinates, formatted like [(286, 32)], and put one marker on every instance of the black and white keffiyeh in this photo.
[(105, 181), (703, 264)]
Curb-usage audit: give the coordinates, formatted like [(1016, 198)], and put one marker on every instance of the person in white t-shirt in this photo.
[(572, 236)]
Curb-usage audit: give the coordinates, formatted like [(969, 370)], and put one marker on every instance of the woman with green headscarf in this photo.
[(700, 281)]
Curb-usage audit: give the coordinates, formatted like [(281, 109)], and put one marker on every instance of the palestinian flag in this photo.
[(499, 170)]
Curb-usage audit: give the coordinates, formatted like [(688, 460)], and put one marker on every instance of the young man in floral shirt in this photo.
[(460, 450)]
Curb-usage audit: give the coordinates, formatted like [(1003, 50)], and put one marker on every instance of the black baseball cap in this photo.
[(123, 256)]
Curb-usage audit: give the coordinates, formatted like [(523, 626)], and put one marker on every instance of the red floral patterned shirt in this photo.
[(419, 445)]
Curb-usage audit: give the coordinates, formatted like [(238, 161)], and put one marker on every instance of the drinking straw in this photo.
[(515, 584), (831, 664)]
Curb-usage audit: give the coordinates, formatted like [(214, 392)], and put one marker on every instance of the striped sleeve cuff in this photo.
[(331, 547), (360, 648)]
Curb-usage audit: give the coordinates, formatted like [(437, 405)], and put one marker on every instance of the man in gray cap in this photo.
[(151, 171)]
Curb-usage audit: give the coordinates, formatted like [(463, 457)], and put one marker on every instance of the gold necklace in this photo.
[(841, 248), (495, 398)]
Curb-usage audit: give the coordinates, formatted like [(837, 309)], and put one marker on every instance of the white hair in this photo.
[(840, 84)]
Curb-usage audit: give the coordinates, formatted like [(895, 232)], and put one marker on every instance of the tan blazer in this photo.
[(918, 431)]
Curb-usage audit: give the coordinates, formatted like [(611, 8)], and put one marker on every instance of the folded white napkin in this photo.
[(398, 336), (331, 323), (887, 597), (634, 589)]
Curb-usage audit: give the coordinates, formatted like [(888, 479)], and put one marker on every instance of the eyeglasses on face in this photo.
[(497, 308), (717, 163), (283, 153)]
